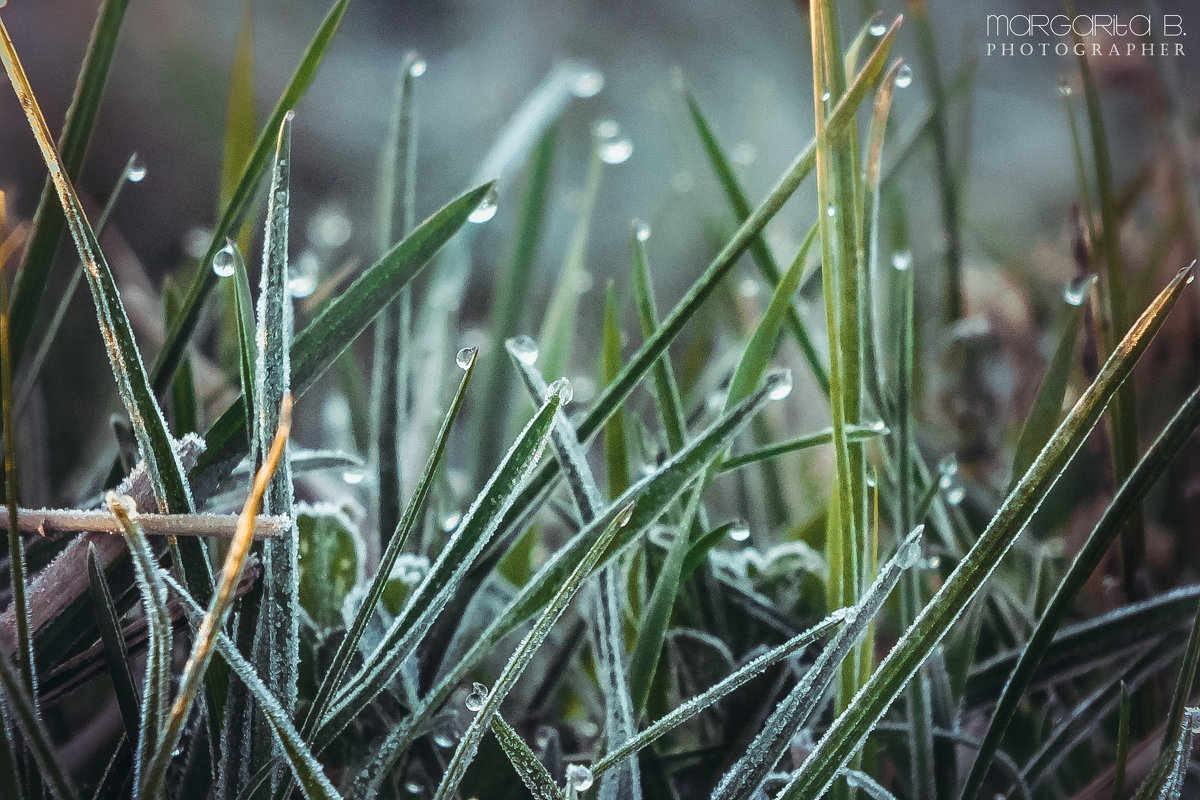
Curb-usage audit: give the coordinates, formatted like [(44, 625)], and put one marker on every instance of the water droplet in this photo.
[(1064, 88), (225, 261), (354, 477), (443, 740), (544, 735), (330, 226), (486, 209), (749, 288), (417, 67), (1078, 289), (825, 96), (904, 77), (782, 384), (588, 729), (523, 348), (195, 241), (878, 29), (588, 84), (739, 531), (933, 562), (830, 211), (137, 170), (466, 357), (451, 521), (956, 494), (948, 465), (879, 426), (579, 777), (410, 569), (909, 554), (744, 153), (475, 699), (584, 281), (303, 275), (412, 787), (612, 145), (641, 230), (902, 259), (561, 389)]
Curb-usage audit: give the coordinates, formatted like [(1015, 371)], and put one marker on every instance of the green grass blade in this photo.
[(736, 197), (692, 708), (512, 287), (344, 318), (349, 646), (108, 620), (558, 326), (34, 273), (156, 688), (756, 358), (656, 493), (171, 490), (20, 704), (445, 576), (1047, 405), (524, 654), (277, 651), (532, 772), (854, 433), (247, 350), (1179, 717), (746, 776), (846, 734), (666, 389), (616, 456), (389, 396), (1143, 477), (240, 113), (307, 771), (243, 194), (1122, 745)]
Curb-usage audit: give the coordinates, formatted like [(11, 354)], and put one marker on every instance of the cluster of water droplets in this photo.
[(950, 480), (612, 145)]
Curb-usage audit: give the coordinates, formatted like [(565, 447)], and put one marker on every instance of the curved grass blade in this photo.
[(745, 777), (108, 620), (740, 206), (531, 771), (218, 610), (389, 396), (524, 654), (1144, 475), (655, 493), (1047, 405), (308, 772), (844, 737), (343, 319), (157, 685), (19, 703), (444, 577), (616, 457), (243, 194), (170, 487), (854, 433), (349, 646), (692, 708), (34, 273)]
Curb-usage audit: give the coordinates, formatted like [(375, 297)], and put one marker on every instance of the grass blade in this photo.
[(108, 620), (343, 319), (666, 389), (247, 350), (1047, 405), (846, 734), (524, 654), (854, 433), (615, 455), (307, 771), (1122, 744), (171, 490), (531, 771), (349, 645), (34, 273), (157, 685), (243, 194), (745, 777), (1143, 477)]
